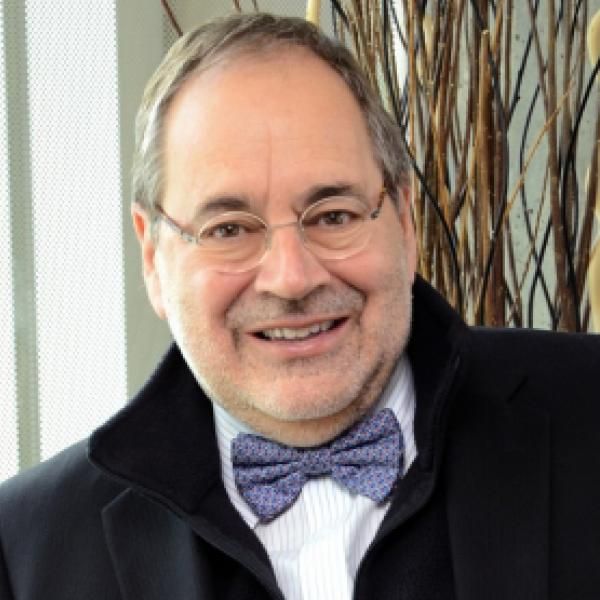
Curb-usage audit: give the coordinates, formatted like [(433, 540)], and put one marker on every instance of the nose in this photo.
[(288, 269)]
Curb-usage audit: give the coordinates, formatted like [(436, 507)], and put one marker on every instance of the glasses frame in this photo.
[(191, 238)]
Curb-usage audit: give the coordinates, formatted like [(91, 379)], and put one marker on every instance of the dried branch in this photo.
[(171, 16)]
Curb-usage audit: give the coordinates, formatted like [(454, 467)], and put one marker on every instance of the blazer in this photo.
[(502, 502)]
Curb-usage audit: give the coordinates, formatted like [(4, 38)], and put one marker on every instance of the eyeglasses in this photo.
[(236, 241)]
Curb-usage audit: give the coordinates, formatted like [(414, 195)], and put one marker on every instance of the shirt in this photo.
[(316, 546)]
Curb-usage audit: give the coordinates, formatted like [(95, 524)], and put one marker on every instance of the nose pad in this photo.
[(288, 268), (273, 228)]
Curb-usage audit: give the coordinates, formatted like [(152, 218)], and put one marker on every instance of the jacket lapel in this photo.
[(435, 352), (162, 447), (154, 553), (498, 495), (488, 449)]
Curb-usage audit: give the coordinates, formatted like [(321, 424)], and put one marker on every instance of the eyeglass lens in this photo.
[(333, 228)]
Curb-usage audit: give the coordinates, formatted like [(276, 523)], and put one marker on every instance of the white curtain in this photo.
[(62, 316)]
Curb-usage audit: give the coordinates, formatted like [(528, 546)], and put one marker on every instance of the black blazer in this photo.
[(502, 502)]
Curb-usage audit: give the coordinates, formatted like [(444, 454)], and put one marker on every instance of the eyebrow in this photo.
[(219, 204), (321, 192)]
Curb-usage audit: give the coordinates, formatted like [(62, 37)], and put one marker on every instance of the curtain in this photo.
[(62, 316)]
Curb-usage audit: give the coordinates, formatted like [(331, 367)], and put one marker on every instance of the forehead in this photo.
[(264, 122)]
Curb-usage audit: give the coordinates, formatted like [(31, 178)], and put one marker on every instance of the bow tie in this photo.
[(366, 459)]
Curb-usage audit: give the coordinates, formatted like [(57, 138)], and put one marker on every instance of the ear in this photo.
[(143, 230), (406, 220)]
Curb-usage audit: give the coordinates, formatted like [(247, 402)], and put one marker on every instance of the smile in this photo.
[(298, 333)]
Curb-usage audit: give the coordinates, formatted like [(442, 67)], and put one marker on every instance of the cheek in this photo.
[(373, 271), (210, 293), (381, 274), (199, 298)]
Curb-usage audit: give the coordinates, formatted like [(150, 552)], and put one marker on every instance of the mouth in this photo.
[(294, 334)]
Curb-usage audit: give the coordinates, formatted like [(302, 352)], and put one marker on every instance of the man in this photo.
[(325, 426)]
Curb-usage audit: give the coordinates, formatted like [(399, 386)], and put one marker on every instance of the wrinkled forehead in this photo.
[(292, 95)]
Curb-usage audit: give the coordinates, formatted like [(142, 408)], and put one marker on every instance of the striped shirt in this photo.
[(316, 546)]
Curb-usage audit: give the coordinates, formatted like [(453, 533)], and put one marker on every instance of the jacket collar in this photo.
[(483, 450), (163, 441), (487, 447), (162, 444), (437, 353)]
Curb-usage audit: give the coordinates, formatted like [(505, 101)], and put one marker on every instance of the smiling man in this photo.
[(324, 426), (268, 336)]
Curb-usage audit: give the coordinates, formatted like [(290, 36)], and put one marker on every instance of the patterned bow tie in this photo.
[(367, 460)]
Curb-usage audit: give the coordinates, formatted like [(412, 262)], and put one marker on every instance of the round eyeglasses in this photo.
[(236, 241)]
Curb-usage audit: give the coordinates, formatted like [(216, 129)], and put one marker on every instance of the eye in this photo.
[(227, 230), (335, 218), (335, 213), (231, 227)]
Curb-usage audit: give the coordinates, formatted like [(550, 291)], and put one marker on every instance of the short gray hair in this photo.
[(251, 33)]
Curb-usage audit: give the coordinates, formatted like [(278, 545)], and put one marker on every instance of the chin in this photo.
[(307, 432), (308, 408), (310, 423)]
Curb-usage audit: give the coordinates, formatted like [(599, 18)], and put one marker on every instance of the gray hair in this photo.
[(240, 34)]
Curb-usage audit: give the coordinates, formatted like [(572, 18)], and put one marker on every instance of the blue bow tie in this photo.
[(367, 460)]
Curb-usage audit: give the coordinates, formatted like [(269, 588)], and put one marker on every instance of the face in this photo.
[(268, 132)]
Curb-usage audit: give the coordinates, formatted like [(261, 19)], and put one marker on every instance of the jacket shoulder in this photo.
[(51, 531), (515, 342), (60, 483), (555, 373), (543, 357)]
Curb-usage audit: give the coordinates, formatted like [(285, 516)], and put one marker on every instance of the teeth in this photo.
[(299, 333)]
